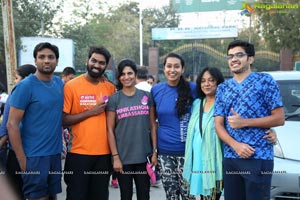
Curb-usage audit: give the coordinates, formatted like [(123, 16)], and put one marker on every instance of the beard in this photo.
[(46, 72), (241, 70), (94, 74)]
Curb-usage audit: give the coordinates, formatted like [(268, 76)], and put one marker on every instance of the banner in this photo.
[(183, 6), (194, 33)]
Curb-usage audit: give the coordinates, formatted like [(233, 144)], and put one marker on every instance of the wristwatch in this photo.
[(155, 150)]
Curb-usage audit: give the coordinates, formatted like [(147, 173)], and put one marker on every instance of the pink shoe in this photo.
[(151, 172), (114, 183)]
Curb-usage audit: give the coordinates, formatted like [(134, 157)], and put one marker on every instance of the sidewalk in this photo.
[(156, 193), (114, 193)]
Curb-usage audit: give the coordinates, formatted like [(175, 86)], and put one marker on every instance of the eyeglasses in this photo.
[(236, 55)]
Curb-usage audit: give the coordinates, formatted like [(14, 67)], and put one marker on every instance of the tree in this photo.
[(86, 28), (26, 13), (117, 29), (280, 27), (124, 38)]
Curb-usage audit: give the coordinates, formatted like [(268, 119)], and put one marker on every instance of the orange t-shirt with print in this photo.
[(88, 137)]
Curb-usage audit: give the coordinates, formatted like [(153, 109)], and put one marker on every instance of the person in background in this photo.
[(151, 80), (246, 106), (37, 103), (89, 157), (68, 74), (12, 165), (3, 97), (173, 100), (141, 79), (187, 77)]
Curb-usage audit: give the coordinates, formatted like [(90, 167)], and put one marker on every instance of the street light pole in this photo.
[(141, 33)]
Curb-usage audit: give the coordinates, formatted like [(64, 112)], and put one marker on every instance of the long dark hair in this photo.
[(185, 97), (214, 72), (122, 64)]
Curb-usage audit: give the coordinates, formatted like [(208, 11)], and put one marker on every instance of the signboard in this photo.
[(194, 33), (183, 6), (65, 46)]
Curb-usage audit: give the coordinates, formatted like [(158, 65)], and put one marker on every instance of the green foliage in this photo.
[(118, 30), (29, 17), (123, 41), (165, 17), (280, 28)]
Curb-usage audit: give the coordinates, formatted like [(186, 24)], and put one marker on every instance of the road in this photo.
[(114, 193)]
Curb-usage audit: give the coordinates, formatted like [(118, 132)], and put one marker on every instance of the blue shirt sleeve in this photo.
[(21, 95), (3, 128)]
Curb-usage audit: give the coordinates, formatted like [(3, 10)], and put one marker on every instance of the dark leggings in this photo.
[(138, 173)]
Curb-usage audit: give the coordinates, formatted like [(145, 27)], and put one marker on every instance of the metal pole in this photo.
[(141, 34), (250, 28), (42, 18), (9, 42)]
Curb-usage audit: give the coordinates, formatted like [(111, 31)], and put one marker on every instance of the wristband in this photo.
[(115, 155)]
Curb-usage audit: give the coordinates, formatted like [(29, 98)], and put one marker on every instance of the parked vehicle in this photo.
[(286, 174)]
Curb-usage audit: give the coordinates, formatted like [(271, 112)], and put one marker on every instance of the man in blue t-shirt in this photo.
[(246, 107), (35, 125)]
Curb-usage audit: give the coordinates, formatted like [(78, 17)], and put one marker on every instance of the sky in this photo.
[(218, 18)]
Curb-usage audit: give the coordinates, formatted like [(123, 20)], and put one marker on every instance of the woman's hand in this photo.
[(154, 159), (118, 166)]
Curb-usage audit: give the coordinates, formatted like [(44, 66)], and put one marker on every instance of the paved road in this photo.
[(156, 193), (114, 193)]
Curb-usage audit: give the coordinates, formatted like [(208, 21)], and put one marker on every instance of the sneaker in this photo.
[(157, 184), (114, 183)]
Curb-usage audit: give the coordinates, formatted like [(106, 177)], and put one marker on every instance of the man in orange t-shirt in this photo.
[(88, 161)]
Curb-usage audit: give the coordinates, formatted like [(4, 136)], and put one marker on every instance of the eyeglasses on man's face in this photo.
[(236, 55)]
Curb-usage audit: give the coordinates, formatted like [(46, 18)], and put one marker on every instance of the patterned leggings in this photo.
[(170, 169)]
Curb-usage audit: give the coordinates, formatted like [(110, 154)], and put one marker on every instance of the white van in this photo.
[(286, 174)]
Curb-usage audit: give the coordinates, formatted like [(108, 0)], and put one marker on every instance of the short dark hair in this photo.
[(249, 48), (151, 77), (122, 64), (214, 72), (99, 50), (25, 70), (45, 45), (68, 70), (142, 73)]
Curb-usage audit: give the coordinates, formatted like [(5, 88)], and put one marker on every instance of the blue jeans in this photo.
[(248, 179)]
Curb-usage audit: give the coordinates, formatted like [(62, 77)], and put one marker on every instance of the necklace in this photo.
[(46, 84)]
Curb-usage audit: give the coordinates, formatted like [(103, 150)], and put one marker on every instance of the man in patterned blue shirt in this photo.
[(246, 107)]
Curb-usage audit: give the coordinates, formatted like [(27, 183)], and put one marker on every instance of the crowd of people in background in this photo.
[(186, 135)]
